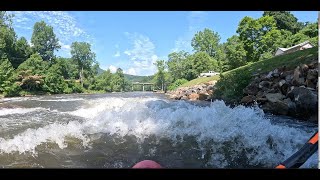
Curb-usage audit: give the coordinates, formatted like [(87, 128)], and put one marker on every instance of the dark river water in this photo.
[(118, 130)]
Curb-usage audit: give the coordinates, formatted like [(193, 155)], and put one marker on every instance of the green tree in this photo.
[(7, 37), (118, 82), (22, 52), (311, 30), (159, 77), (201, 63), (6, 73), (82, 55), (44, 40), (206, 41), (67, 67), (54, 81), (177, 64), (35, 64), (235, 52), (103, 81), (285, 20), (255, 33), (31, 73)]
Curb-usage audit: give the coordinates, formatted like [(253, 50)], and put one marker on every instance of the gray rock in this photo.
[(301, 81), (289, 78), (273, 97), (251, 89), (210, 87), (264, 84), (305, 99), (248, 99), (282, 82)]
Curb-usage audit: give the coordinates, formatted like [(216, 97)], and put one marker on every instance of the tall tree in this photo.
[(235, 52), (81, 53), (160, 75), (31, 73), (285, 20), (206, 41), (6, 73), (202, 62), (22, 52), (254, 33), (44, 40), (177, 64), (104, 81), (7, 37), (118, 82)]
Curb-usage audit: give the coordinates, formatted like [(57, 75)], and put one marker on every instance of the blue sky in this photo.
[(134, 40)]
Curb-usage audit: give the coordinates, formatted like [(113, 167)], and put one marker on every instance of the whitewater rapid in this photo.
[(222, 135)]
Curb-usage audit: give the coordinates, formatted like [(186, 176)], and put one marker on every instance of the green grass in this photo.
[(200, 80), (231, 84)]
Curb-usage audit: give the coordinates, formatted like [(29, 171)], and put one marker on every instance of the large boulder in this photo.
[(306, 101), (248, 99), (210, 87), (203, 96), (251, 89), (274, 97), (264, 84), (193, 96), (184, 97)]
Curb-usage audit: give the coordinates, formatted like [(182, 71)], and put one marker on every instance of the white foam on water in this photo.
[(31, 138), (246, 130), (9, 111), (60, 100)]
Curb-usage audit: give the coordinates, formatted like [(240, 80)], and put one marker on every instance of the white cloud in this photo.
[(131, 71), (112, 68), (64, 24), (195, 20), (142, 54), (117, 54), (64, 46)]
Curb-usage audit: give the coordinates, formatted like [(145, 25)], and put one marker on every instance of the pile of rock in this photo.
[(197, 92), (286, 92)]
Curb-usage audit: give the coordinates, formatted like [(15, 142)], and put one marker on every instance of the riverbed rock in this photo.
[(264, 84), (203, 96), (248, 99), (273, 97), (251, 89), (185, 97), (193, 96), (294, 92), (305, 99)]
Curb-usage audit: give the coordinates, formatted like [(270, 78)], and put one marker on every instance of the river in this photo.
[(117, 130)]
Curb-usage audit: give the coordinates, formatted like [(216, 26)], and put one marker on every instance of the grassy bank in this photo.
[(200, 80), (231, 83)]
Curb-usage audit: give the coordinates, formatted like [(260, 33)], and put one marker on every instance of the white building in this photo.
[(301, 46)]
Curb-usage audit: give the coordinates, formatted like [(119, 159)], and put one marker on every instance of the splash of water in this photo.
[(9, 111), (229, 132)]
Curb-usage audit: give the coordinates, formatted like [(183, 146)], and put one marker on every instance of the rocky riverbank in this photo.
[(197, 92), (286, 92), (282, 91)]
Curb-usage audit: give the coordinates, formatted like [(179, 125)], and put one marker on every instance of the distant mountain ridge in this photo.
[(132, 78)]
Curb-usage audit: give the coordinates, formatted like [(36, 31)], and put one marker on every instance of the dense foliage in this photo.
[(256, 40), (34, 69)]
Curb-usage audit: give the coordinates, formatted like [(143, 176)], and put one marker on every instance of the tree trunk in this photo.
[(162, 86), (81, 77)]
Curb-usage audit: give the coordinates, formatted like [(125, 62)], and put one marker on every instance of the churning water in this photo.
[(120, 129)]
